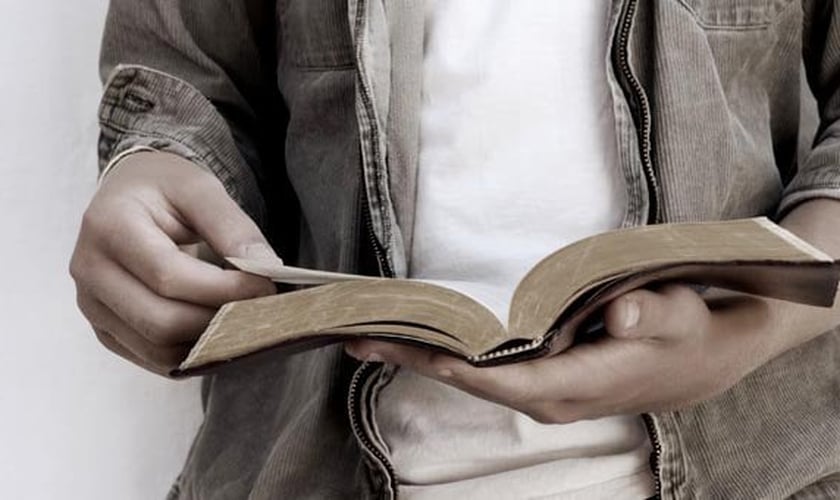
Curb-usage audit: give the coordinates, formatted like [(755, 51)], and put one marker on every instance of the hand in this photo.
[(664, 350), (146, 299)]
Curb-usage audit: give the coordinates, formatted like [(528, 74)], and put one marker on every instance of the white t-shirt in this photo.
[(517, 158)]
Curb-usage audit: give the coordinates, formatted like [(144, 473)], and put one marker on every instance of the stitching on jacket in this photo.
[(776, 10)]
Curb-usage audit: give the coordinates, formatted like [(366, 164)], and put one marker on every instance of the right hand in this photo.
[(146, 299)]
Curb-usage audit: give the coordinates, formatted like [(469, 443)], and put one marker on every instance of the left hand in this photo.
[(665, 349)]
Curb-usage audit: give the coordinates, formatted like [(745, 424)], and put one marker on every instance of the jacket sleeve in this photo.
[(819, 174), (194, 78)]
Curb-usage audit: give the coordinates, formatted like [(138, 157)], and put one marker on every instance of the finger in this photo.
[(115, 347), (151, 256), (674, 311), (161, 321), (112, 344), (519, 385), (117, 336), (211, 212), (427, 362)]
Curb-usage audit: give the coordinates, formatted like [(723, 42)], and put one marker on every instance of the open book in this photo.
[(550, 306)]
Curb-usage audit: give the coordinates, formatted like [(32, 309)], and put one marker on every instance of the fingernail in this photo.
[(351, 351), (374, 358), (359, 354), (446, 373), (632, 312), (259, 251), (354, 351)]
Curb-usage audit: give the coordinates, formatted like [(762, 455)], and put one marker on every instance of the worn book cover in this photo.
[(551, 307)]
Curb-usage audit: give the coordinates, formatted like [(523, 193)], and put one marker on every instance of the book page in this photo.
[(750, 255), (277, 271), (495, 298)]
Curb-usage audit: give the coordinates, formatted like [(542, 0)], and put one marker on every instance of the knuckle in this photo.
[(77, 268), (545, 416), (526, 396), (83, 303), (89, 311), (83, 263), (541, 417), (95, 221), (168, 327), (158, 328), (162, 359), (156, 361), (436, 361), (108, 341), (551, 413), (201, 183), (83, 266), (90, 220), (164, 280)]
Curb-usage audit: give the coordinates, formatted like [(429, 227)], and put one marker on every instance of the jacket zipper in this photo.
[(640, 100), (367, 370), (357, 384), (367, 103), (385, 268), (657, 453), (641, 103)]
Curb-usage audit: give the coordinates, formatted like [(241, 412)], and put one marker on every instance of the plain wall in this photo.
[(75, 421)]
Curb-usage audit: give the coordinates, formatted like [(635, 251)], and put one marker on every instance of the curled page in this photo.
[(276, 270)]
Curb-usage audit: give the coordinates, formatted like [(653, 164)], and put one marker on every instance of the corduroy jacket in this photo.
[(308, 111)]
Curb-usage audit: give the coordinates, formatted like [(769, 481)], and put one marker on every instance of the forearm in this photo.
[(180, 82), (790, 324)]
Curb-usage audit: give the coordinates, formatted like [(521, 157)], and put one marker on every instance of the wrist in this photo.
[(118, 159), (744, 331)]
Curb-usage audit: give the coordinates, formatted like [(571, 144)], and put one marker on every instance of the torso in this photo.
[(517, 158)]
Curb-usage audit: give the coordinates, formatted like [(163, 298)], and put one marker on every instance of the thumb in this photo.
[(672, 311)]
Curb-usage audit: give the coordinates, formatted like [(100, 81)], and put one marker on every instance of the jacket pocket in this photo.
[(736, 14), (315, 34)]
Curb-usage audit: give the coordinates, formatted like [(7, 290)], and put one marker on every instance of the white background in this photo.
[(75, 421)]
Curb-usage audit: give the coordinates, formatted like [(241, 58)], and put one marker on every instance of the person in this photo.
[(461, 141)]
